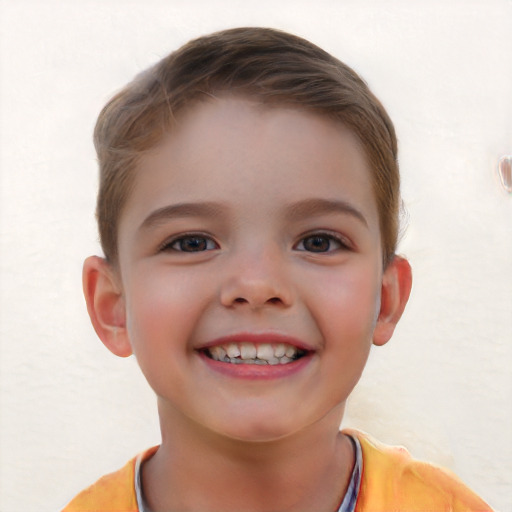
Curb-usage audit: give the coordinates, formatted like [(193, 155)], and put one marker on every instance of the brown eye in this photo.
[(319, 243), (192, 243)]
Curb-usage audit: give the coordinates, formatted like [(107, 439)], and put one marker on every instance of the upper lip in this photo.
[(257, 339)]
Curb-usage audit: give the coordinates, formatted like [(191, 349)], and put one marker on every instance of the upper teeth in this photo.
[(249, 353)]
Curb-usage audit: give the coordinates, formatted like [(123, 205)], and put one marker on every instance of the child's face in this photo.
[(252, 224)]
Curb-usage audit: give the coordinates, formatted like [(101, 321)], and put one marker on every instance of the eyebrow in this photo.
[(299, 210), (173, 211), (311, 207)]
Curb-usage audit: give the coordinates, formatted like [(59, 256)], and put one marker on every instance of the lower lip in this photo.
[(257, 371)]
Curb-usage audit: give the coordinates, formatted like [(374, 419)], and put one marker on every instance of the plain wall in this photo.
[(71, 411)]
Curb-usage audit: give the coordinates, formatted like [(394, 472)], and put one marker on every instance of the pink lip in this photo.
[(258, 339), (253, 371)]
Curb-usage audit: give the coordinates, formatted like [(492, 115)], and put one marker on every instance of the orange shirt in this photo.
[(392, 481)]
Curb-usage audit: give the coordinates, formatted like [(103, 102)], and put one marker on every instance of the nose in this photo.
[(256, 281)]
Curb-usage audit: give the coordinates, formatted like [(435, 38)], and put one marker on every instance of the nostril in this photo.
[(272, 300), (254, 292)]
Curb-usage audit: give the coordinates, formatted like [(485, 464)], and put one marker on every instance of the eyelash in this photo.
[(169, 244), (206, 243), (340, 242)]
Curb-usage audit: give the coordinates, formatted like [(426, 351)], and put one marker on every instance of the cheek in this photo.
[(346, 304), (346, 315), (164, 307)]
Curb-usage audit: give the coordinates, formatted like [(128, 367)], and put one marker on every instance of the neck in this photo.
[(195, 469)]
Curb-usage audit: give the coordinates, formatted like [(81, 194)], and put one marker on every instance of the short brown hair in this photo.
[(270, 65)]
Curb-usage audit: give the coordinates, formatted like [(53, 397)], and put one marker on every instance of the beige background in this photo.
[(70, 411)]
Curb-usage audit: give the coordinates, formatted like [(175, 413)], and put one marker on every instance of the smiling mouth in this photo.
[(250, 353)]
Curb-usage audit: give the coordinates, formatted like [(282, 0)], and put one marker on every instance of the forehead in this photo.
[(236, 150)]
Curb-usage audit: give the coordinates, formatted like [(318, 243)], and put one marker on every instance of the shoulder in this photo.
[(393, 480), (114, 492)]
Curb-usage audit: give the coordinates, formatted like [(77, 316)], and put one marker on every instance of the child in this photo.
[(248, 211)]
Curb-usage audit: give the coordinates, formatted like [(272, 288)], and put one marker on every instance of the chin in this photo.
[(259, 436), (259, 429)]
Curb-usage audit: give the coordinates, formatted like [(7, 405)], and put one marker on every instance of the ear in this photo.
[(396, 288), (105, 304)]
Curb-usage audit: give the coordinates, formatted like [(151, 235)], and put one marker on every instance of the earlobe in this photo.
[(105, 304), (396, 288)]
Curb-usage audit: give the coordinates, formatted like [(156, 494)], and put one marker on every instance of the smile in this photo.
[(258, 354)]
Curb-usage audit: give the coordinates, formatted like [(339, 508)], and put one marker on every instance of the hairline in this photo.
[(138, 118), (276, 101)]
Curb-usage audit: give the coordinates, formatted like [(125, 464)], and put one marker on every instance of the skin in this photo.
[(286, 242)]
